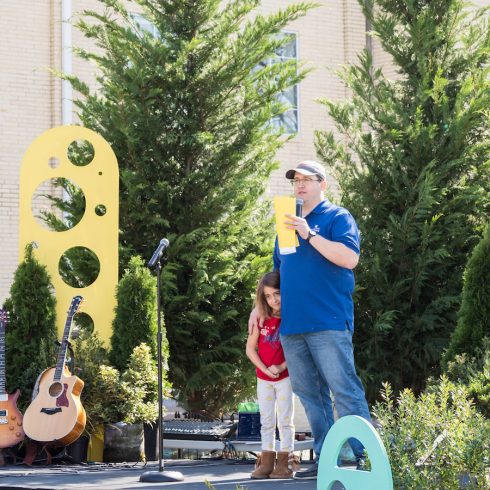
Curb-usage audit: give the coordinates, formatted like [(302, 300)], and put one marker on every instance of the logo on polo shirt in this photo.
[(316, 229)]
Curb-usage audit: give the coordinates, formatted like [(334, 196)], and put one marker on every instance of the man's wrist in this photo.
[(311, 234)]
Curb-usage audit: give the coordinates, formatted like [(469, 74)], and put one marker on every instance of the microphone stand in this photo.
[(160, 475)]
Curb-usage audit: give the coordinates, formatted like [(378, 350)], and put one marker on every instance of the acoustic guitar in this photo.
[(56, 415), (11, 432)]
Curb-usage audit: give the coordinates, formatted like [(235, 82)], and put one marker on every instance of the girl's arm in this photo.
[(253, 355)]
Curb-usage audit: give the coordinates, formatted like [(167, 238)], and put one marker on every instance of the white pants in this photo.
[(272, 394)]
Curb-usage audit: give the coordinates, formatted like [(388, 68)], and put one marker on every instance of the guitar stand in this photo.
[(38, 453)]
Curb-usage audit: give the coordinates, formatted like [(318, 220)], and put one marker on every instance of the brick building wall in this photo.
[(27, 107)]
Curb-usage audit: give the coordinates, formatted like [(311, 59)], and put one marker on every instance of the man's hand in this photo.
[(335, 252), (254, 320), (298, 224)]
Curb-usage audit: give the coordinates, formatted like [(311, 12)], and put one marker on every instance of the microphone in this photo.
[(299, 207), (164, 243)]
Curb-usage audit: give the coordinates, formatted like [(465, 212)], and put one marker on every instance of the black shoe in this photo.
[(309, 474)]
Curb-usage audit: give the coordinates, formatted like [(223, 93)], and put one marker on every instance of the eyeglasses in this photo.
[(296, 182)]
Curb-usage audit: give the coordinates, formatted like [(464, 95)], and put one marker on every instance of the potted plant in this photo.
[(131, 401), (90, 355)]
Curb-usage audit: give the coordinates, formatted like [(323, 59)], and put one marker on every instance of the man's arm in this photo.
[(254, 320), (336, 252)]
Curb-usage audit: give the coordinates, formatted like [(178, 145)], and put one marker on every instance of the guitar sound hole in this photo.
[(55, 390)]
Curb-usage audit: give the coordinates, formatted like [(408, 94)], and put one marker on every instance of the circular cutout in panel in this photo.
[(79, 267), (80, 152), (83, 324), (58, 204), (100, 210), (54, 162)]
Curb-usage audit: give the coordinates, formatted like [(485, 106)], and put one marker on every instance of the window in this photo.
[(144, 25), (288, 120)]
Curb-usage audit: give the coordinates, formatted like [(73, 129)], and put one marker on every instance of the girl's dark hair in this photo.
[(272, 280)]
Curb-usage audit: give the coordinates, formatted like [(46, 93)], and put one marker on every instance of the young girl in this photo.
[(273, 386)]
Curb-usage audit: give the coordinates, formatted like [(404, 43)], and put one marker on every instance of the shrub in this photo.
[(136, 318), (141, 377), (31, 330), (474, 373), (474, 315), (128, 397), (434, 439), (90, 355)]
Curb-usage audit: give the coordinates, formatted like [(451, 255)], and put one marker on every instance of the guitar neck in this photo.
[(60, 363), (2, 357)]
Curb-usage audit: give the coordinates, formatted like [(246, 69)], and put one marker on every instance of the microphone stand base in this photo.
[(161, 476)]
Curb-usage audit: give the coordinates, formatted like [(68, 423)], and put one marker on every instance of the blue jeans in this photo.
[(320, 362)]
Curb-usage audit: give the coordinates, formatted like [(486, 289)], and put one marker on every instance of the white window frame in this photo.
[(296, 87), (144, 24)]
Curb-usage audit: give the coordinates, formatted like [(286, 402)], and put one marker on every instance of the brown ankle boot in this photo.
[(264, 465), (282, 469)]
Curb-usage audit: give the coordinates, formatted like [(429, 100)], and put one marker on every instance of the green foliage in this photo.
[(136, 318), (474, 373), (128, 397), (107, 397), (474, 314), (413, 168), (71, 205), (140, 382), (434, 439), (31, 330), (90, 355), (188, 115)]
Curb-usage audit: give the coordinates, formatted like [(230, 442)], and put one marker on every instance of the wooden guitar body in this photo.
[(11, 432), (56, 415)]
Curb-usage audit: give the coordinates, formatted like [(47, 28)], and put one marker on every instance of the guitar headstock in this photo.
[(4, 316), (75, 305)]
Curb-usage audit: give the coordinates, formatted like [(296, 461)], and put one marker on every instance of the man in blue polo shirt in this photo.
[(317, 282)]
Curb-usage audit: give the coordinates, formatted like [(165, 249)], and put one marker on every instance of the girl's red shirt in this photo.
[(269, 348)]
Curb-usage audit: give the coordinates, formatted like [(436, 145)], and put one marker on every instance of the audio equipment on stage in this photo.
[(56, 415), (196, 430), (11, 432), (248, 426)]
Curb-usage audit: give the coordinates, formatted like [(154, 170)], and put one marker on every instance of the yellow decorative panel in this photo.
[(99, 181)]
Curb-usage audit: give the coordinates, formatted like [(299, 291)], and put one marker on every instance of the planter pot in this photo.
[(123, 442), (151, 441), (96, 444), (77, 450)]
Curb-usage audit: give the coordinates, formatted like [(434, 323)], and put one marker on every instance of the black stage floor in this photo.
[(222, 474)]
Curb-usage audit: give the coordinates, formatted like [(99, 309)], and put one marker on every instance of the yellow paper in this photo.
[(288, 241)]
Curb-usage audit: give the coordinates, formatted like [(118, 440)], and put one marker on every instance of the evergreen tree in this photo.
[(412, 163), (31, 330), (188, 113), (474, 314), (136, 320)]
